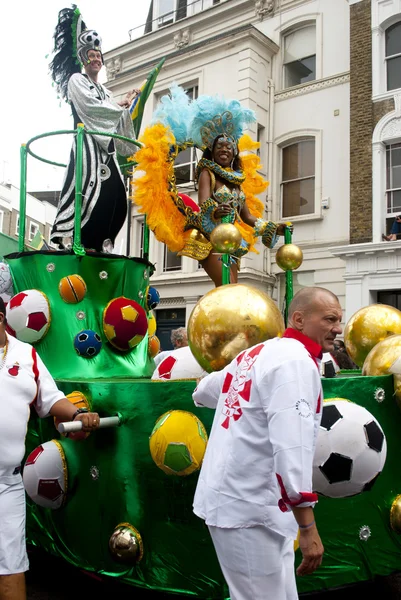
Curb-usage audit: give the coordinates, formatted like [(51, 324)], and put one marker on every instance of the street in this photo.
[(52, 579)]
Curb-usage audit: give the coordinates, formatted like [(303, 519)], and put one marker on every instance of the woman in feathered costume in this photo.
[(228, 182)]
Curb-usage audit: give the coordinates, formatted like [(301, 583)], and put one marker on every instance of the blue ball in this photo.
[(87, 343), (153, 298)]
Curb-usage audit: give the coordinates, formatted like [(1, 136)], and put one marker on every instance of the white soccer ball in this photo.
[(178, 364), (28, 316), (350, 451), (6, 282), (45, 475)]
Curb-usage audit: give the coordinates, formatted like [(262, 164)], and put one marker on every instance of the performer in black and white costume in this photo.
[(257, 471), (104, 199)]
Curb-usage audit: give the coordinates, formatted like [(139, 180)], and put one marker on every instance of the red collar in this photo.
[(311, 346)]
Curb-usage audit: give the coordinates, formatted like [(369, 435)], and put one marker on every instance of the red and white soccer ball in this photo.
[(28, 316), (45, 475), (178, 364)]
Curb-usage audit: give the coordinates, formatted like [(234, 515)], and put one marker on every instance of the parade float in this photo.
[(118, 502)]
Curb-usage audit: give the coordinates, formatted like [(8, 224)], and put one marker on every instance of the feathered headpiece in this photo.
[(214, 117), (175, 112), (72, 41)]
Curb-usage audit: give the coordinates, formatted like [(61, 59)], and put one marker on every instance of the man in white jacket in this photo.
[(255, 486)]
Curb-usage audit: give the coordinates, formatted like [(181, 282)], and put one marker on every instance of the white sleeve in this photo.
[(291, 399), (48, 392), (209, 388)]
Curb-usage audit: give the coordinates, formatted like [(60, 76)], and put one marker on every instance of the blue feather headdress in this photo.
[(215, 116), (175, 111)]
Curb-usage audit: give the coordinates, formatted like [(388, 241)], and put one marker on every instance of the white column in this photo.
[(378, 191)]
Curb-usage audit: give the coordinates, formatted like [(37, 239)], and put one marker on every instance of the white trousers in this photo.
[(13, 556), (257, 563)]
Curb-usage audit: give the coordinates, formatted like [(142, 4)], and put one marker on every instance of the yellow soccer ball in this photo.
[(178, 443)]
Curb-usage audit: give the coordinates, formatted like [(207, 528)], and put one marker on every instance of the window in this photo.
[(300, 56), (165, 12), (1, 220), (393, 178), (261, 138), (393, 56), (298, 179), (17, 226), (171, 262), (185, 163), (33, 230)]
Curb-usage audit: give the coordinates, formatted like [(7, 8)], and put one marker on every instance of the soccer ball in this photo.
[(152, 298), (28, 316), (179, 364), (350, 451), (72, 289), (87, 343), (79, 400), (6, 282), (153, 346), (45, 475), (124, 323), (178, 443)]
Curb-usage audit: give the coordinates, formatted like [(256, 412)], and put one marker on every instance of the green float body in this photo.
[(127, 486)]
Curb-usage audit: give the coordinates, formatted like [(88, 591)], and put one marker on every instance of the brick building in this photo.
[(373, 266)]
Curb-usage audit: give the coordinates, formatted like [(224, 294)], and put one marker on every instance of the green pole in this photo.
[(289, 284), (145, 250), (22, 199), (77, 246), (225, 276)]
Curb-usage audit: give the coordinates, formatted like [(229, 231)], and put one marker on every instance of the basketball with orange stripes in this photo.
[(72, 289)]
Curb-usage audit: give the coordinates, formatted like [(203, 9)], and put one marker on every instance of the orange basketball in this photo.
[(153, 346), (79, 400), (72, 289)]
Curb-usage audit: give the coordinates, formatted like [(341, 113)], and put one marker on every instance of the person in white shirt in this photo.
[(255, 486), (179, 339), (24, 382)]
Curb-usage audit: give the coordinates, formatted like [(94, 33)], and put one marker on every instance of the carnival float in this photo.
[(91, 316)]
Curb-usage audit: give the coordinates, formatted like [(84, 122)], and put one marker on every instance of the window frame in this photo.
[(289, 27), (1, 220), (390, 190), (379, 62), (30, 236), (173, 269), (391, 56), (17, 226), (288, 140)]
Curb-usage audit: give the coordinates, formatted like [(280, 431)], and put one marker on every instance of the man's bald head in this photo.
[(305, 299), (316, 312)]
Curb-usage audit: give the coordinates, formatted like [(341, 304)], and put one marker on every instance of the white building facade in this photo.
[(287, 60)]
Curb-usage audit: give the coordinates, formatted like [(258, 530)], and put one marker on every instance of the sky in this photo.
[(28, 103)]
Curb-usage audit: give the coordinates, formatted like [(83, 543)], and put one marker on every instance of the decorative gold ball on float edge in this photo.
[(382, 357), (395, 514), (369, 326), (225, 238), (228, 320), (125, 544), (289, 257)]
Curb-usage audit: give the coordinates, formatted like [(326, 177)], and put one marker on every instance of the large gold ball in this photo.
[(382, 357), (289, 257), (228, 320), (395, 514), (225, 238), (369, 326), (125, 544)]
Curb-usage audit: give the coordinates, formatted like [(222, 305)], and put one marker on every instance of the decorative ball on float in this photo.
[(369, 326), (178, 443), (125, 544), (124, 323), (228, 320), (87, 343), (152, 298), (225, 238), (28, 316), (350, 451), (152, 325), (385, 359), (289, 257), (153, 346), (45, 475), (72, 289)]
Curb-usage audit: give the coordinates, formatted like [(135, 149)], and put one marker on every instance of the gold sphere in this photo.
[(369, 326), (228, 320), (125, 544), (289, 257), (395, 514), (383, 356), (225, 238)]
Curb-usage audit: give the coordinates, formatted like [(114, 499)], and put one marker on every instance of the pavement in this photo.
[(51, 578)]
